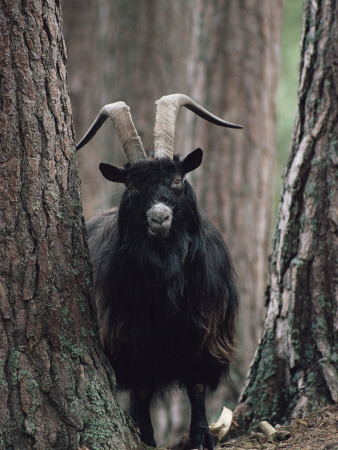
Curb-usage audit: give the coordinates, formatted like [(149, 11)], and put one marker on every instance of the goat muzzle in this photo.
[(159, 217)]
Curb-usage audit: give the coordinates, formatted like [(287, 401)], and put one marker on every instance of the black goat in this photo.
[(164, 283)]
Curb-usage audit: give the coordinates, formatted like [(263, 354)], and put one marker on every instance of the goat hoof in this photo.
[(150, 442), (202, 439)]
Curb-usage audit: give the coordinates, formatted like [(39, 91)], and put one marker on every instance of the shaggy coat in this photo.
[(166, 302), (164, 283)]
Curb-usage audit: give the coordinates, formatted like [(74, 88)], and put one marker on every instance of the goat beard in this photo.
[(160, 264)]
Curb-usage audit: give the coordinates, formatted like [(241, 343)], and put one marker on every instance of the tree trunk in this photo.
[(130, 53), (295, 368), (234, 73), (83, 68), (56, 390)]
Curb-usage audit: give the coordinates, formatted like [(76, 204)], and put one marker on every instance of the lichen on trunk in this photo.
[(295, 367)]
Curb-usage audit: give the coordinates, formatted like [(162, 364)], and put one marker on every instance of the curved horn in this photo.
[(130, 140), (166, 113)]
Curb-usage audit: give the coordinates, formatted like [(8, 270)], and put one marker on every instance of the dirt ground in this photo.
[(318, 432)]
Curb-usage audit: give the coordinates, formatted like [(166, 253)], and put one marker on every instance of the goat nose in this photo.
[(160, 218), (159, 213)]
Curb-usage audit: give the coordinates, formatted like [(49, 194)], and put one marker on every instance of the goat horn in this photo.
[(130, 140), (166, 113)]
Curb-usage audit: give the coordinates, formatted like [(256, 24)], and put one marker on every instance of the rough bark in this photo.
[(295, 368), (56, 390)]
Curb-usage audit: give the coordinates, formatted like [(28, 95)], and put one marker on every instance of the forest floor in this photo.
[(317, 432)]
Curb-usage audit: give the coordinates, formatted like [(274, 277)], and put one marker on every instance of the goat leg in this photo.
[(140, 413), (200, 435)]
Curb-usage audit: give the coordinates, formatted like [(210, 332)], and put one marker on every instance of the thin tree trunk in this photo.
[(56, 390), (295, 368)]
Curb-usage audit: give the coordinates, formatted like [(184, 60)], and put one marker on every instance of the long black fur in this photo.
[(166, 307)]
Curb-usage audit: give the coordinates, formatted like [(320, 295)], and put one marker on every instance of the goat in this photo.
[(164, 283)]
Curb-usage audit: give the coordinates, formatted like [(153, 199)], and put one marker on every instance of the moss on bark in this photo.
[(294, 371)]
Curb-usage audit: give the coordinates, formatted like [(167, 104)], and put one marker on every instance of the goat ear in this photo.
[(192, 161), (113, 173)]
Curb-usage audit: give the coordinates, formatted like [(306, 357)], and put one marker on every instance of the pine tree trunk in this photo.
[(234, 73), (56, 390), (295, 368), (135, 52), (80, 25)]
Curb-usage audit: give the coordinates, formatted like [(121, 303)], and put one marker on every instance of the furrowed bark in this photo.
[(56, 390), (295, 368)]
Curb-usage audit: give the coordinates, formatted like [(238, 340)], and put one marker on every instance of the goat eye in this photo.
[(132, 188)]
